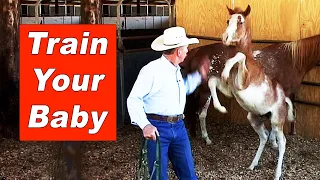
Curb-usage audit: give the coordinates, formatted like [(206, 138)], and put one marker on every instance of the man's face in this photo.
[(182, 53)]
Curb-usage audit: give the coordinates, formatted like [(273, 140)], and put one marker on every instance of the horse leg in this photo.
[(272, 139), (259, 127), (291, 118), (202, 118), (230, 63), (212, 83), (277, 121)]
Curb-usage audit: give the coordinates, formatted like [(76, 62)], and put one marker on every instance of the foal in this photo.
[(253, 89)]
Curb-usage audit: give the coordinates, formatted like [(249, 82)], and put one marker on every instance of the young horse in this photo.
[(255, 92)]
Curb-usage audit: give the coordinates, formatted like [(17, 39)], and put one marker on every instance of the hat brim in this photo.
[(158, 43)]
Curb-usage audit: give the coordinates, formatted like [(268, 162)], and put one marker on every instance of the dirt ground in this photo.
[(232, 150)]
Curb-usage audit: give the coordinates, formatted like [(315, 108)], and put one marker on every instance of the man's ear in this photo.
[(179, 51)]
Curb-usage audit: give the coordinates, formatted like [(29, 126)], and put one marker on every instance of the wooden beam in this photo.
[(37, 12), (310, 83), (56, 8), (91, 12), (9, 65), (120, 44), (170, 14), (307, 103), (138, 8)]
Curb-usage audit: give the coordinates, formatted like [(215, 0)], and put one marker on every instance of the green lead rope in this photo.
[(143, 171)]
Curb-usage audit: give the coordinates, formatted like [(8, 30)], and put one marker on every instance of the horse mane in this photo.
[(304, 51)]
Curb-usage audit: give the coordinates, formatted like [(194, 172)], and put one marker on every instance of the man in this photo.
[(157, 101)]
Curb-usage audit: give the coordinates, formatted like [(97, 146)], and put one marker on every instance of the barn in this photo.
[(139, 22)]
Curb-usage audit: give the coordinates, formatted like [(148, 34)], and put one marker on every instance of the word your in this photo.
[(62, 121), (71, 44), (42, 78)]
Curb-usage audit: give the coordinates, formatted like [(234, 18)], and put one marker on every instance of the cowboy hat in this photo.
[(172, 37)]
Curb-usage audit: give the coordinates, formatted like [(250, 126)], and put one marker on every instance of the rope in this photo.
[(143, 162)]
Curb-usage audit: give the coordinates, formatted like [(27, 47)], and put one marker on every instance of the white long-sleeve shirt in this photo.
[(160, 89)]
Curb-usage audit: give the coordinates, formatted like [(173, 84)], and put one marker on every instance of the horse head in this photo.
[(238, 26)]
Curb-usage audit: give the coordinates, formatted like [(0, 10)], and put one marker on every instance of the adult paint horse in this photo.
[(217, 54), (286, 63)]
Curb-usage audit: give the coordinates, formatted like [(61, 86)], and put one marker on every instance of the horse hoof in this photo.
[(276, 178), (208, 142), (251, 167), (275, 146), (223, 110)]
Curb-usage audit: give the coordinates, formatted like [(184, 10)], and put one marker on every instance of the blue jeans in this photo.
[(175, 145)]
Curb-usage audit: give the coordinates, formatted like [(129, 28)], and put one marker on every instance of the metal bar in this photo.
[(310, 83), (136, 50), (70, 3), (307, 103), (254, 41), (138, 37)]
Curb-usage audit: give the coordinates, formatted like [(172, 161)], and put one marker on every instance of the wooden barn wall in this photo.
[(270, 19), (277, 20)]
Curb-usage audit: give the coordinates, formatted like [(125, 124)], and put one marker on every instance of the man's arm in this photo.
[(140, 89), (192, 81)]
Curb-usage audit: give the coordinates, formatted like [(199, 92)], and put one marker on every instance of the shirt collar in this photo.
[(169, 64)]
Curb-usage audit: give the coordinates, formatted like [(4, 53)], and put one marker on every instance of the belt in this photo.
[(170, 119)]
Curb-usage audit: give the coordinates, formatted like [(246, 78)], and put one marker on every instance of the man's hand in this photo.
[(149, 132), (204, 69)]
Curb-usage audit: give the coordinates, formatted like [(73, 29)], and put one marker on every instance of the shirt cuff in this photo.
[(142, 123)]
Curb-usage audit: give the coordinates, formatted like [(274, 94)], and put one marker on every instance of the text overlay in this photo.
[(67, 82)]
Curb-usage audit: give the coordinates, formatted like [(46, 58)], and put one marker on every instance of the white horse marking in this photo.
[(212, 83), (202, 118), (256, 53), (230, 63)]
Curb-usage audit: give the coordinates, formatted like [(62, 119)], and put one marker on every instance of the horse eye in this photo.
[(227, 21)]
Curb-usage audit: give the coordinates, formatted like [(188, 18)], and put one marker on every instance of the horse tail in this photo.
[(291, 116)]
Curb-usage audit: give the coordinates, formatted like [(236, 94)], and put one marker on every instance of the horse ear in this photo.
[(231, 12), (247, 11)]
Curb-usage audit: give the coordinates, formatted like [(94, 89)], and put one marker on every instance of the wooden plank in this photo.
[(313, 75), (278, 20), (309, 18), (309, 93), (206, 18), (307, 122)]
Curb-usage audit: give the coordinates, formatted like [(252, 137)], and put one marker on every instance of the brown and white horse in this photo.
[(253, 89)]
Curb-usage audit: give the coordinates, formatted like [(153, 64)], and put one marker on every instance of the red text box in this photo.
[(67, 82)]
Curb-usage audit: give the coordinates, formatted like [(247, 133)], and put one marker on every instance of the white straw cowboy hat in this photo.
[(172, 38)]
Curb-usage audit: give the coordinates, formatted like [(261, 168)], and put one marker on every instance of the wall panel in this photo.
[(273, 20), (309, 18), (205, 18)]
